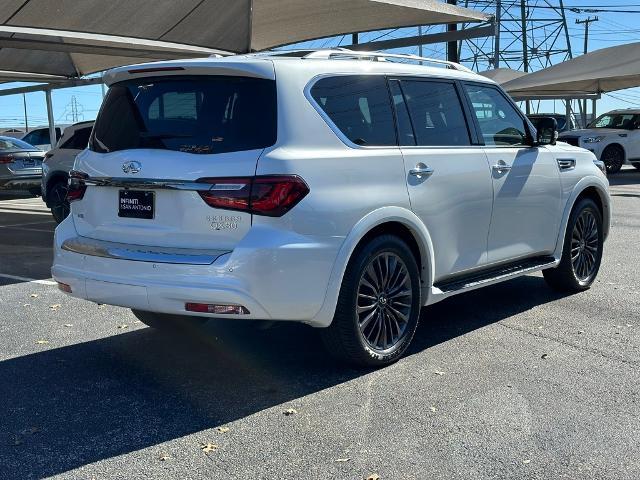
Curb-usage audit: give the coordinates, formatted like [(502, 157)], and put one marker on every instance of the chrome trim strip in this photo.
[(141, 253), (148, 183)]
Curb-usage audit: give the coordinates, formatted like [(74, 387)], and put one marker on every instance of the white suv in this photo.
[(343, 190), (57, 164), (613, 137)]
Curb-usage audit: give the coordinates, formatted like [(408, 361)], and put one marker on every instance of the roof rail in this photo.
[(345, 54)]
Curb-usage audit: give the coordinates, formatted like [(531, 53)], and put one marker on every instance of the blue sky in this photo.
[(618, 25)]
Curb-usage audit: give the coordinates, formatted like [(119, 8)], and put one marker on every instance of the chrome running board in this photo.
[(495, 275)]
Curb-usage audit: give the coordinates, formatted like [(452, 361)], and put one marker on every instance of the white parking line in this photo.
[(25, 279), (25, 224), (30, 229), (25, 212)]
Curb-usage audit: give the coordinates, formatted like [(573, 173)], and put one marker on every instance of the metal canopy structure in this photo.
[(605, 70), (237, 26), (75, 54), (502, 75), (70, 38)]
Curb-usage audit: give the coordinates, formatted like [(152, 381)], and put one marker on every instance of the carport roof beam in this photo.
[(50, 86)]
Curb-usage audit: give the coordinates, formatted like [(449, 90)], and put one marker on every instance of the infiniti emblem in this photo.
[(131, 167)]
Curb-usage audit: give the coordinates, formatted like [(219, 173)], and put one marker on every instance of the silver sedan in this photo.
[(20, 166)]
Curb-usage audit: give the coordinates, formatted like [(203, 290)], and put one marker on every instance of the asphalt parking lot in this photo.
[(509, 382)]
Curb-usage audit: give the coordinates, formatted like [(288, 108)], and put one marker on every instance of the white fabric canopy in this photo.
[(237, 26), (605, 70), (502, 75)]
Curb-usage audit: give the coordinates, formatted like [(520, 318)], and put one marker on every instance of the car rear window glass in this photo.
[(14, 144), (79, 140), (436, 113), (359, 106), (201, 115)]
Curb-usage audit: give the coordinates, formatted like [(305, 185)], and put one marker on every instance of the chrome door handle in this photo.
[(421, 170), (501, 167)]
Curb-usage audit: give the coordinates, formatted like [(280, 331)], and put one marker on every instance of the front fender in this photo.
[(603, 190), (365, 225)]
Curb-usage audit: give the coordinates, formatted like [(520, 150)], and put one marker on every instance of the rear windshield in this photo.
[(14, 144), (200, 115)]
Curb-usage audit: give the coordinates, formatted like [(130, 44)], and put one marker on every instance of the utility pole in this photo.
[(586, 22), (354, 39), (452, 47)]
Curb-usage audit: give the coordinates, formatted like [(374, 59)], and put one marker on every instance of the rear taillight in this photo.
[(270, 195), (77, 185), (4, 159)]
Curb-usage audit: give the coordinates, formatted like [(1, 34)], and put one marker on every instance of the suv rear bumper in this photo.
[(274, 274)]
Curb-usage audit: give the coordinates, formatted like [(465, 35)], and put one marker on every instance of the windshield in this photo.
[(14, 144), (625, 121), (200, 115), (561, 121)]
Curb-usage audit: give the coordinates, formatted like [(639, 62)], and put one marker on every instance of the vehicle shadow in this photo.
[(67, 407)]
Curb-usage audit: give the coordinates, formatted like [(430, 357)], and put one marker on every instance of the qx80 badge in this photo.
[(131, 167)]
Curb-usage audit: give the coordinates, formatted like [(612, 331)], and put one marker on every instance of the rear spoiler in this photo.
[(246, 67)]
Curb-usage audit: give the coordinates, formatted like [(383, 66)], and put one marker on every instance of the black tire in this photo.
[(613, 158), (166, 322), (57, 200), (391, 306), (569, 275)]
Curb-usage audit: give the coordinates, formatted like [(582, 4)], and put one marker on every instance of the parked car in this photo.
[(40, 138), (561, 120), (613, 137), (57, 165), (20, 166), (328, 189)]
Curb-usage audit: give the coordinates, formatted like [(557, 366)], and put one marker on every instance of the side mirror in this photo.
[(547, 131)]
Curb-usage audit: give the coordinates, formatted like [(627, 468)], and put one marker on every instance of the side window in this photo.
[(79, 140), (500, 122), (37, 137), (436, 113), (359, 106)]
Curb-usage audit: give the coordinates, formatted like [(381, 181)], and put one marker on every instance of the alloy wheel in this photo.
[(384, 301), (584, 246), (59, 203)]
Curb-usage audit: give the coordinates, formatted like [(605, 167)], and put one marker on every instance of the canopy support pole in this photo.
[(26, 118), (594, 106), (52, 126), (568, 112), (452, 46)]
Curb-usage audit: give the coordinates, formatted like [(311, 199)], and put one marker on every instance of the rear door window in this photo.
[(359, 106), (436, 113), (200, 115), (79, 139)]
